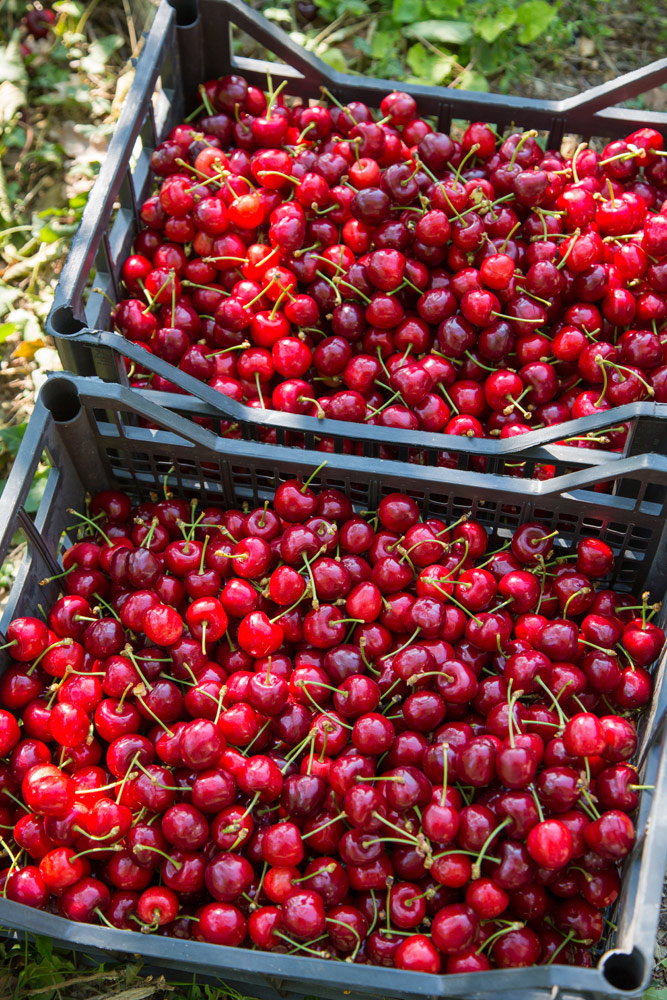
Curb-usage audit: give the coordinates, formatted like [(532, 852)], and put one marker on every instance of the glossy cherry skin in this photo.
[(303, 915), (47, 791), (227, 876), (454, 928), (81, 900), (221, 923)]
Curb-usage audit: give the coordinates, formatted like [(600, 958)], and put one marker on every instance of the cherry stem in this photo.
[(148, 538), (338, 722), (408, 642), (311, 755), (253, 803), (526, 135), (579, 703), (477, 867), (577, 593), (395, 684), (517, 403), (101, 788), (147, 847), (502, 548), (95, 850), (460, 850), (561, 714), (100, 291), (445, 763), (538, 804), (388, 402), (153, 299), (213, 260), (515, 926), (89, 520), (591, 805), (480, 364), (299, 946), (273, 94), (13, 857), (113, 832), (404, 833), (277, 173), (304, 836), (566, 940), (563, 261), (312, 476), (417, 544), (286, 611), (129, 652), (580, 148), (266, 724), (450, 597), (126, 776), (296, 750), (61, 642), (104, 919), (450, 402), (471, 152), (509, 236), (630, 373), (107, 606), (310, 399), (50, 579), (511, 700), (427, 673)]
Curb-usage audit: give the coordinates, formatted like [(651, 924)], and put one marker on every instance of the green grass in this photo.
[(41, 971)]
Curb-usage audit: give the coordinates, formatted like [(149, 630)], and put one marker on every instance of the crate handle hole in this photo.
[(186, 12), (65, 323), (61, 398), (624, 971)]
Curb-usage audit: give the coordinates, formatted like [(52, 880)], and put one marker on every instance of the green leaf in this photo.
[(12, 99), (11, 437), (7, 297), (79, 200), (6, 330), (428, 67), (447, 32), (656, 993), (491, 27), (12, 67), (70, 9), (278, 15), (34, 498), (407, 11), (335, 59), (48, 235), (44, 946), (443, 8), (381, 43), (99, 53), (470, 79), (535, 16)]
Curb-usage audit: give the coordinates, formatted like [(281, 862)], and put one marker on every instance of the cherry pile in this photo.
[(312, 260), (361, 736)]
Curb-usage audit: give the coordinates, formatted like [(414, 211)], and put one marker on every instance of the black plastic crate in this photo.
[(192, 40), (99, 435)]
